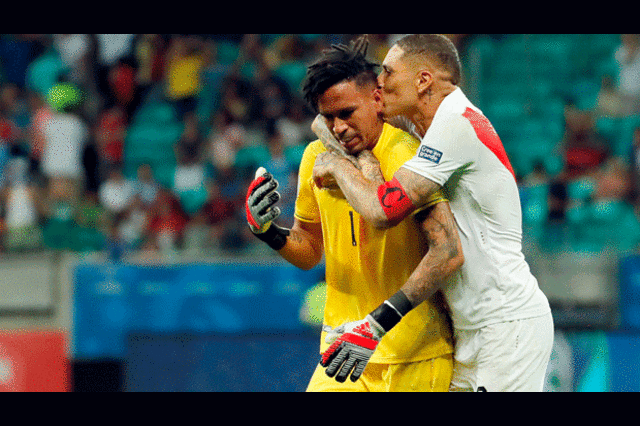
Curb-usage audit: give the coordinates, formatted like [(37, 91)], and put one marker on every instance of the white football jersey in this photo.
[(462, 152)]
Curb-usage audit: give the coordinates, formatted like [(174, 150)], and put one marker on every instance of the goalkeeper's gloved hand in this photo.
[(260, 202), (261, 209), (352, 344)]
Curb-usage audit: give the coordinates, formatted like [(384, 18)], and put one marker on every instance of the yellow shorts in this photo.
[(430, 375)]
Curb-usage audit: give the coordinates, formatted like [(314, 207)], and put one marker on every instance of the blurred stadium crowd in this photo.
[(145, 144)]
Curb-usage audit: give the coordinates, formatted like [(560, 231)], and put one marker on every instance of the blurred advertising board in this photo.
[(630, 293), (34, 361), (113, 300), (265, 362)]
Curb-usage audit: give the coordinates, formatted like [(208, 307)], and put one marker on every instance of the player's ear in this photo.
[(377, 97), (423, 80)]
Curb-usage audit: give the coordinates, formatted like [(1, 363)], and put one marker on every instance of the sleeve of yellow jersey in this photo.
[(306, 208)]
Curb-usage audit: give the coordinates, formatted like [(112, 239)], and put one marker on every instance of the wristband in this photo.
[(275, 236), (389, 313), (394, 201)]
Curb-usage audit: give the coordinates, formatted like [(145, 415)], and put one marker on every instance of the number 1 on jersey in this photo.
[(353, 231)]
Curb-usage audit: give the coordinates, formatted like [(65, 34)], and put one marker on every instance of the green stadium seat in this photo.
[(535, 208), (90, 239), (251, 157), (227, 52), (294, 153), (505, 109), (627, 127), (608, 211), (44, 72), (164, 173), (59, 234), (610, 128), (158, 113), (612, 223), (581, 189), (577, 214), (554, 164), (193, 200), (293, 73), (585, 93), (479, 55)]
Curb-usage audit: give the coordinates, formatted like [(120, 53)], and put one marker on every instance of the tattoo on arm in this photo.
[(418, 188), (295, 237), (304, 247), (443, 257)]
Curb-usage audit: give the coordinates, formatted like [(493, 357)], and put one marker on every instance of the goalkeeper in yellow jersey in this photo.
[(372, 334)]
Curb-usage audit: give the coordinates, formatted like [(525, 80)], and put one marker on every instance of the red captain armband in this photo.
[(394, 201)]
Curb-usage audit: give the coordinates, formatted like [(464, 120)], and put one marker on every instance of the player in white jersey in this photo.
[(503, 326)]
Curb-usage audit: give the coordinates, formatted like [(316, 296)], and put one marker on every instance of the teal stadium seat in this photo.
[(158, 113), (151, 139), (585, 93), (294, 154), (164, 173), (250, 157), (627, 128), (610, 129), (293, 73), (43, 73), (227, 52), (193, 200), (613, 223), (535, 207), (581, 189)]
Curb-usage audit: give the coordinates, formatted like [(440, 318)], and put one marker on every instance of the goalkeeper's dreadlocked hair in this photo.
[(336, 64)]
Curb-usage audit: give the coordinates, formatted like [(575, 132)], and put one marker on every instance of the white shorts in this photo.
[(505, 357)]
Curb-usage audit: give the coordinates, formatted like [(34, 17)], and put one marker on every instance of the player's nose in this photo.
[(339, 127)]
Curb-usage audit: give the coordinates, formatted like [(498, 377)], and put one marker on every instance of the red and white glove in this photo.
[(261, 210), (352, 345), (260, 202)]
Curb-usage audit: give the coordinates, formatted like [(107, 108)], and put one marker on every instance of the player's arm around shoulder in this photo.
[(398, 198), (444, 256)]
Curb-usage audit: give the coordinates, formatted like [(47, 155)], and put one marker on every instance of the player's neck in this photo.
[(376, 139), (427, 107)]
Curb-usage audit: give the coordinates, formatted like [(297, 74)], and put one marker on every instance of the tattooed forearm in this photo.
[(418, 188), (443, 258), (370, 167)]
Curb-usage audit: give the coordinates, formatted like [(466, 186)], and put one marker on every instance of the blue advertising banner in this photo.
[(629, 278), (112, 300), (278, 362)]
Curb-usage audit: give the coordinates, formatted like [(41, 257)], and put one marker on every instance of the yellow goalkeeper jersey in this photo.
[(365, 266)]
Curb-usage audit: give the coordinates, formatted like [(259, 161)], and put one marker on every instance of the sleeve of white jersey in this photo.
[(448, 146)]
